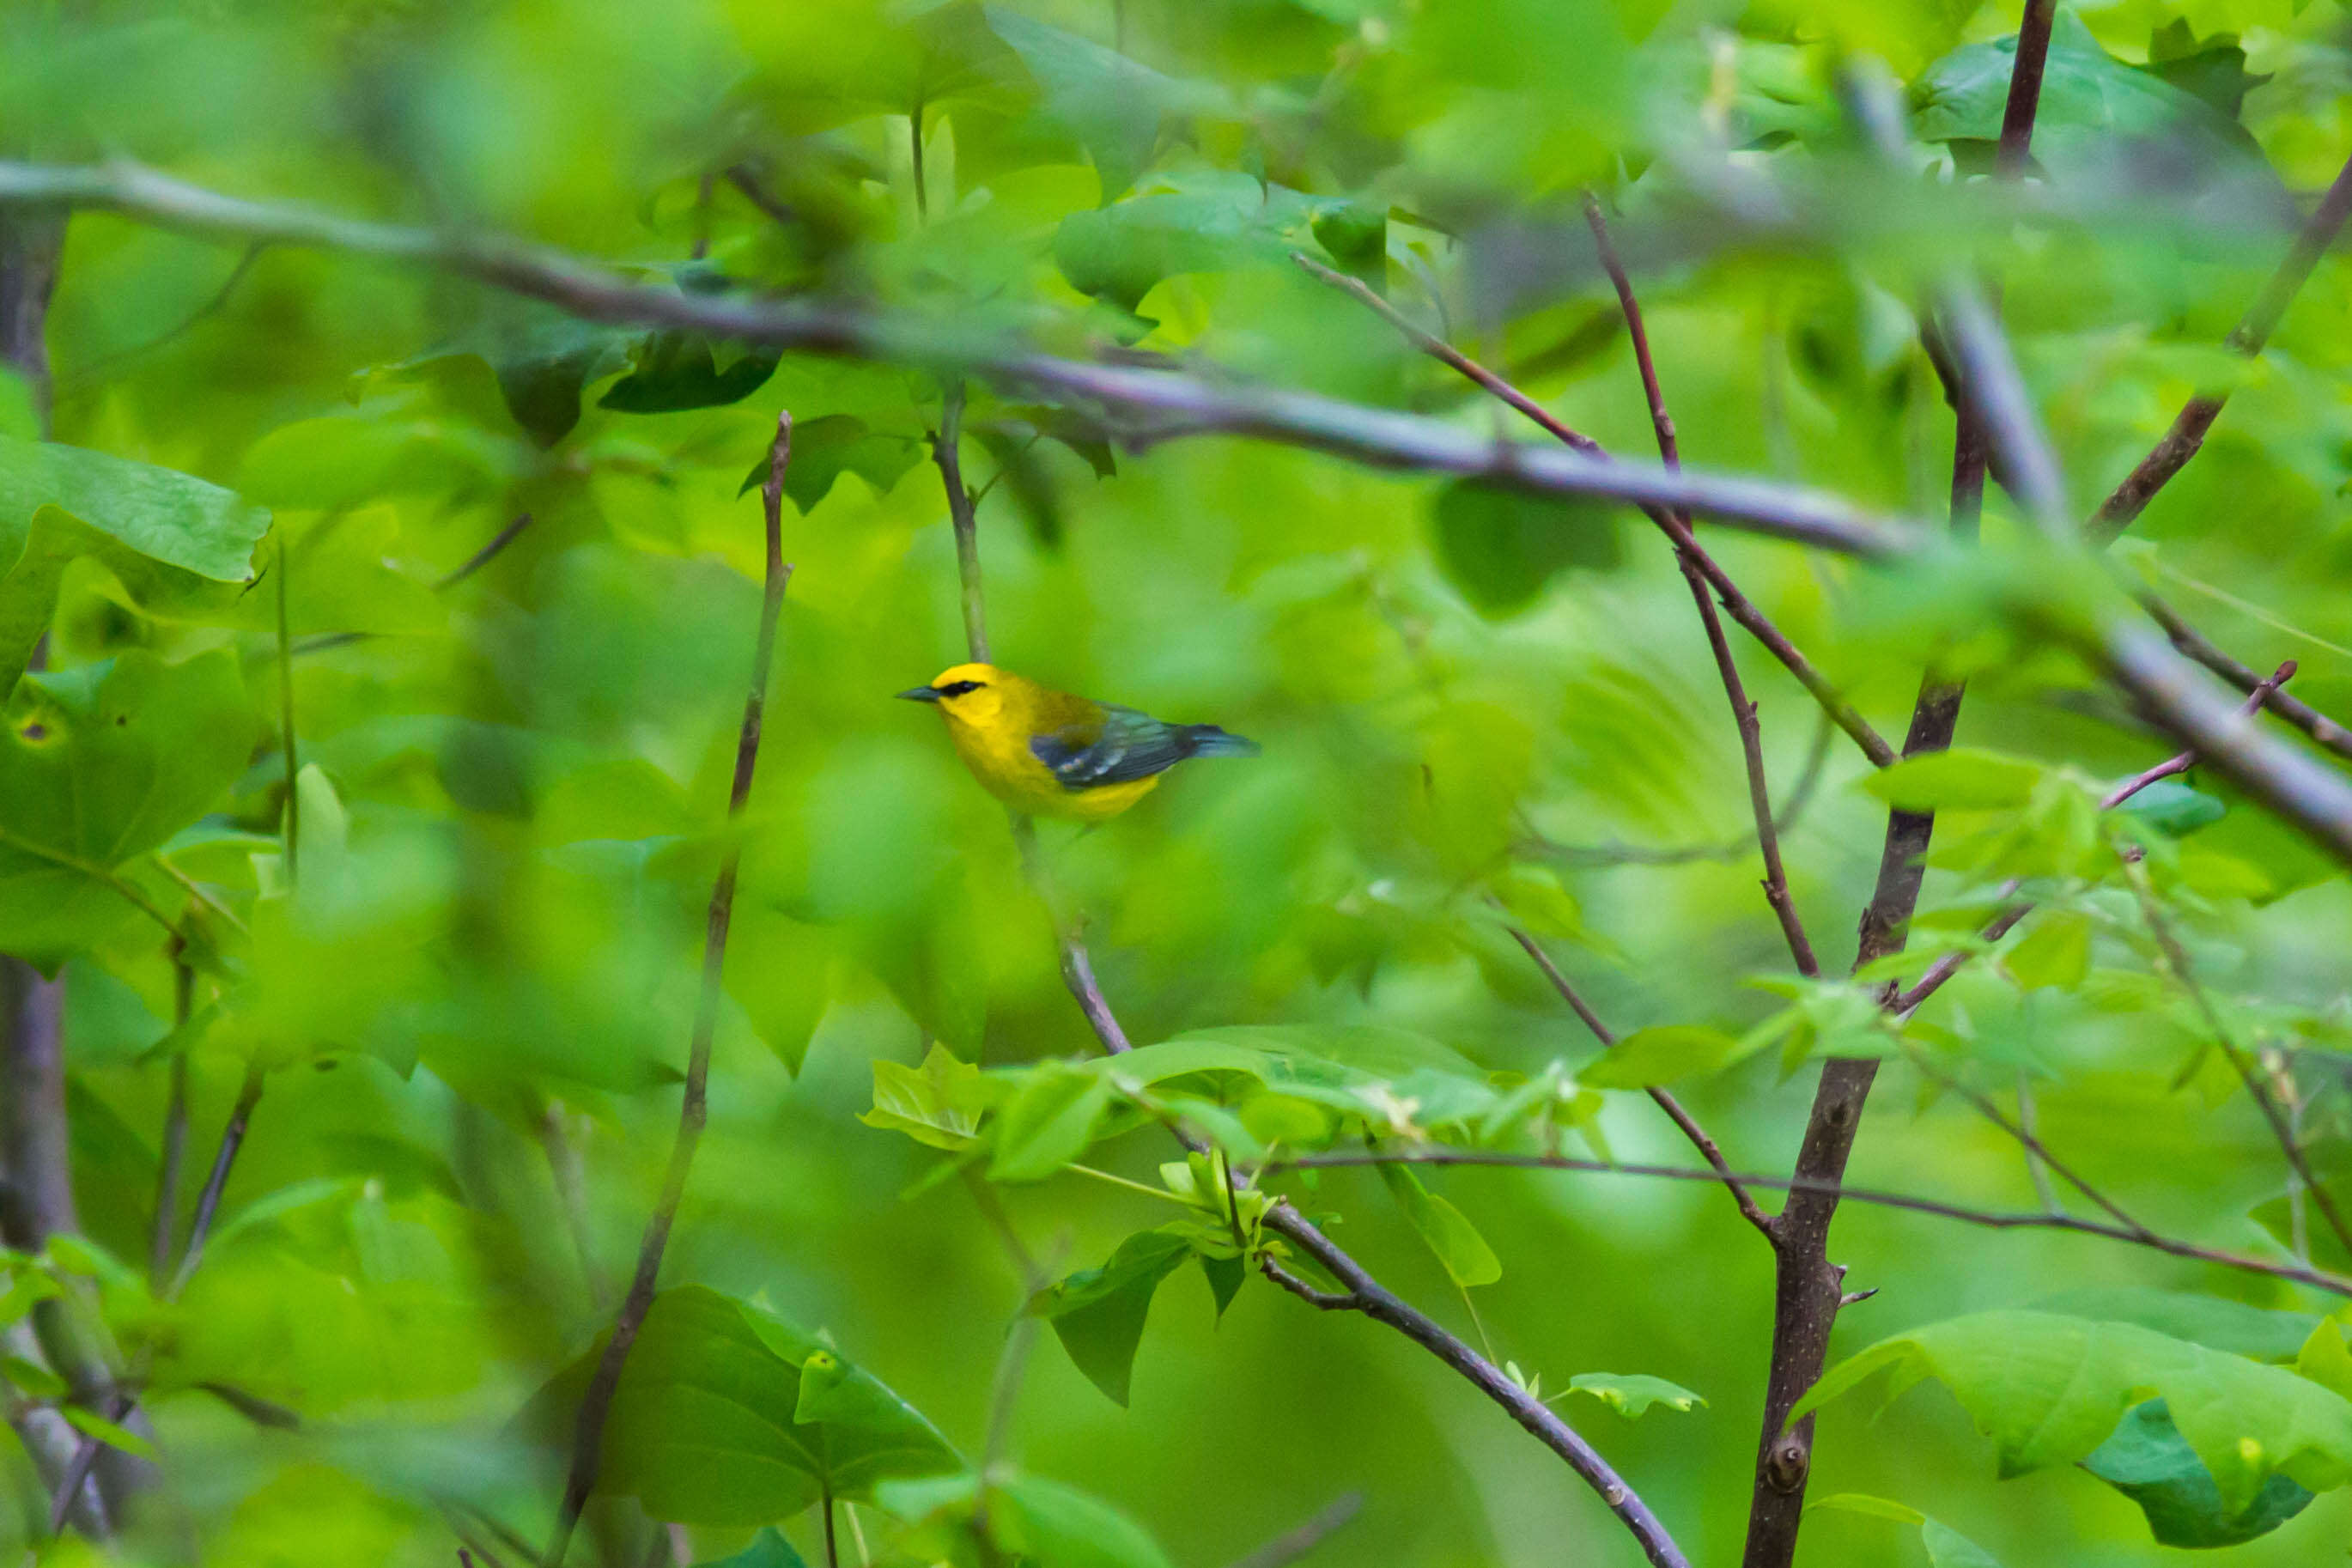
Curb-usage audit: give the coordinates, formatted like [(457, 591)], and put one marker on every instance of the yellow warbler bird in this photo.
[(1050, 753)]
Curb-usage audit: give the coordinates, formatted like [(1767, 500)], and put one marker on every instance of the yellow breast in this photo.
[(999, 757)]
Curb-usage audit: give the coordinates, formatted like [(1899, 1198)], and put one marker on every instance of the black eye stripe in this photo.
[(957, 689)]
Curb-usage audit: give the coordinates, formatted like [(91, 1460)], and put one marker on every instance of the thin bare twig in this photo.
[(240, 1118), (1991, 1219), (1366, 1295), (597, 1403), (2176, 958), (2182, 761), (175, 1132), (1735, 602), (1293, 1544), (2192, 644), (1664, 1100), (2186, 436)]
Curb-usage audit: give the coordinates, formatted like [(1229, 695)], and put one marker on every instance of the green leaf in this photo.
[(1947, 1548), (1659, 1055), (2215, 1322), (1631, 1395), (1501, 548), (830, 446), (100, 764), (1532, 896), (1198, 221), (1962, 778), (2049, 1389), (1036, 1521), (938, 1103), (2151, 1462), (1099, 1314), (1112, 105), (2096, 115), (169, 539), (91, 1423), (1468, 1260), (768, 1550), (31, 1379), (675, 370), (708, 1424), (1225, 1276), (1049, 1123), (1356, 236), (2174, 808), (2055, 953)]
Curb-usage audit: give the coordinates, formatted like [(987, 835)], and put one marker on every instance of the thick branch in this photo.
[(1701, 1139), (1154, 404), (1991, 1219), (597, 1403), (1808, 1289)]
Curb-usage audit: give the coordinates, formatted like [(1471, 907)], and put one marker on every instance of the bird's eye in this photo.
[(958, 688)]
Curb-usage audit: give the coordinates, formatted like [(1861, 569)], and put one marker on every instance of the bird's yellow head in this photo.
[(967, 693)]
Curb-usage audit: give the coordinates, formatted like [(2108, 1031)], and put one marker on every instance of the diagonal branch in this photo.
[(1366, 1295), (597, 1403), (1151, 404), (1701, 1139), (2176, 958), (1736, 603), (2186, 436), (2191, 642), (1743, 712)]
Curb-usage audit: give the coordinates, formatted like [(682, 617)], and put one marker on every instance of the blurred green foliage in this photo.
[(491, 571)]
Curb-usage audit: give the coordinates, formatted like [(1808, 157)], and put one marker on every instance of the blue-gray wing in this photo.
[(1128, 745)]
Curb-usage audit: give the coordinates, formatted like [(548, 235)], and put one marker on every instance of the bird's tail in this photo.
[(1208, 740)]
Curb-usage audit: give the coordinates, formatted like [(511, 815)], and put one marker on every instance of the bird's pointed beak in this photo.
[(919, 694)]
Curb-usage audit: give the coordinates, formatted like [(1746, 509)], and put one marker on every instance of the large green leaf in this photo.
[(2048, 1389), (2257, 1332), (1631, 1395), (170, 539), (100, 764), (2096, 114), (728, 1414), (1467, 1258), (768, 1550), (1501, 548), (1029, 1518), (1961, 779), (938, 1103), (1659, 1054), (1049, 1123), (1114, 106), (2151, 1462), (1099, 1314)]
